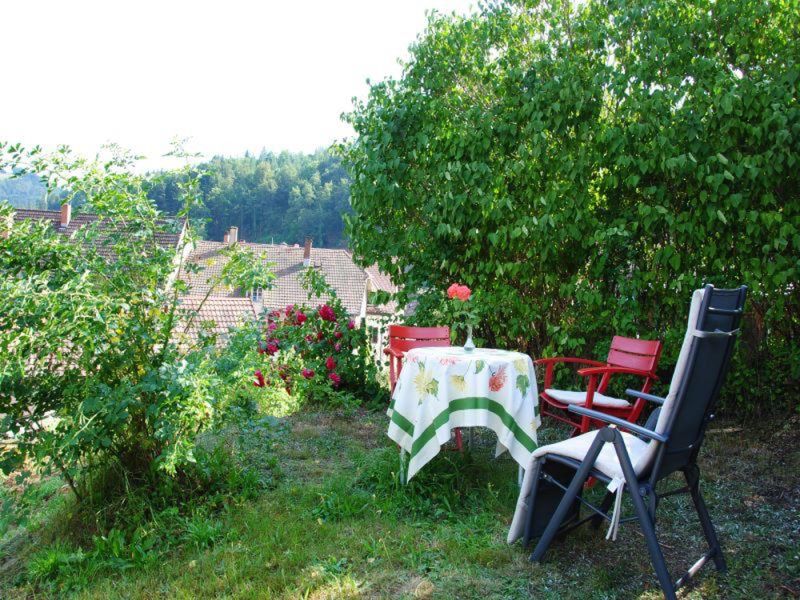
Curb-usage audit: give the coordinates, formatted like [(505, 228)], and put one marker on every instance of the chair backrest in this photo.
[(699, 375), (403, 338), (634, 354)]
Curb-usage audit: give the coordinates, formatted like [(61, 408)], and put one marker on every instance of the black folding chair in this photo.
[(551, 499)]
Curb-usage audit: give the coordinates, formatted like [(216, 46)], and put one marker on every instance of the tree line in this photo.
[(270, 197)]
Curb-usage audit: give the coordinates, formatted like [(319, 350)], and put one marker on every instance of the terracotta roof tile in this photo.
[(217, 316), (341, 273), (168, 237)]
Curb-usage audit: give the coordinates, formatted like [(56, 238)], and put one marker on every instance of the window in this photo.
[(257, 295)]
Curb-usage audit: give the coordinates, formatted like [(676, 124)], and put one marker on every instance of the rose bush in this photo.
[(317, 353)]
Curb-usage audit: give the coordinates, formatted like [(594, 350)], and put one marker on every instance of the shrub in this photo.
[(90, 374), (585, 166), (318, 354)]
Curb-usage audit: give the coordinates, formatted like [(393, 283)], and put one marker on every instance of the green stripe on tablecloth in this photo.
[(469, 404), (402, 423)]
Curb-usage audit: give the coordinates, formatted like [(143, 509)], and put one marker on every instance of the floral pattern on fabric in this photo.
[(498, 379)]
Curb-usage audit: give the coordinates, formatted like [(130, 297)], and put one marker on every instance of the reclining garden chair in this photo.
[(402, 339), (550, 498), (627, 356)]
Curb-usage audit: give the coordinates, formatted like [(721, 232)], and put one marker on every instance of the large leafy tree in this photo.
[(585, 165)]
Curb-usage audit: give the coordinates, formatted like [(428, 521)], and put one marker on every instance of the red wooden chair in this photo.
[(402, 339), (627, 356)]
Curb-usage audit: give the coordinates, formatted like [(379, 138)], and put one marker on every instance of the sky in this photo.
[(230, 75)]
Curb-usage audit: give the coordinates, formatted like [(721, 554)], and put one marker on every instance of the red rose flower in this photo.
[(351, 324), (338, 335), (301, 318), (320, 335), (326, 313), (335, 379), (259, 381), (310, 338), (330, 363), (307, 373), (272, 347)]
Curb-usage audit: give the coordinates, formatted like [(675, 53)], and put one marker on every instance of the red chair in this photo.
[(627, 356), (402, 339)]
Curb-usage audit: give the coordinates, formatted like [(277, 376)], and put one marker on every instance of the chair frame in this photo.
[(671, 456), (403, 338), (623, 350)]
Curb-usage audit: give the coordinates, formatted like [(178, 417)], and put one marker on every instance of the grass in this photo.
[(338, 524)]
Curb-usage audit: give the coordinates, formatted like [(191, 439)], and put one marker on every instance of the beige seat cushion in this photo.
[(568, 397)]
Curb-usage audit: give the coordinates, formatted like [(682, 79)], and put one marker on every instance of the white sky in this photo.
[(232, 75)]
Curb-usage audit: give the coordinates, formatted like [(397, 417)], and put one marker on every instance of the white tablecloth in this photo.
[(440, 389)]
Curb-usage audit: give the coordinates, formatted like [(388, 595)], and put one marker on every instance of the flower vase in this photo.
[(469, 345)]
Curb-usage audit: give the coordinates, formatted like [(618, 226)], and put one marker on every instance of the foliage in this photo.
[(586, 166), (271, 198), (317, 354), (90, 376)]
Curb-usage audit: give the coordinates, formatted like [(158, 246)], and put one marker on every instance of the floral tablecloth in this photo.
[(440, 389)]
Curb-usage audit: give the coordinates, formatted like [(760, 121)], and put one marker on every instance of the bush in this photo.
[(317, 354), (585, 166), (91, 376)]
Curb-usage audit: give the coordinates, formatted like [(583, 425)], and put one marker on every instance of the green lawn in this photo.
[(339, 525)]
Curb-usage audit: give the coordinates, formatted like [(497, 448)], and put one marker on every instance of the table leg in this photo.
[(402, 471)]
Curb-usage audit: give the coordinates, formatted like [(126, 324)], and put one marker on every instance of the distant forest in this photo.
[(28, 191), (271, 197)]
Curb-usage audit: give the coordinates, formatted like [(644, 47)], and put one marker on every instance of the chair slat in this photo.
[(406, 345), (636, 346), (419, 333), (631, 361)]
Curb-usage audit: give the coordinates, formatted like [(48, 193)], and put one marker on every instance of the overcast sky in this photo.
[(232, 75)]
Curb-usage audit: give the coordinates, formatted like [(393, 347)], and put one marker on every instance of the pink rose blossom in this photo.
[(337, 347), (335, 379), (351, 324)]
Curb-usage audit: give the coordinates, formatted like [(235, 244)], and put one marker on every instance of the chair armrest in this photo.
[(643, 396), (568, 359), (621, 423), (615, 370), (392, 352)]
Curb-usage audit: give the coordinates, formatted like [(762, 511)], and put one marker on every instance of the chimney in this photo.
[(307, 252), (233, 235), (66, 215), (225, 238)]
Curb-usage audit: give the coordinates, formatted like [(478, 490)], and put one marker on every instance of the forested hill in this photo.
[(27, 191), (272, 197)]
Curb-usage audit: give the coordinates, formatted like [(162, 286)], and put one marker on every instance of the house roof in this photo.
[(216, 316), (342, 274), (381, 282), (168, 237)]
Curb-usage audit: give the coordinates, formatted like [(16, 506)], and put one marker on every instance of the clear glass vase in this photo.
[(469, 345)]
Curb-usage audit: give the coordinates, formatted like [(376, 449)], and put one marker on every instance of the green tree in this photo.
[(586, 165), (90, 374)]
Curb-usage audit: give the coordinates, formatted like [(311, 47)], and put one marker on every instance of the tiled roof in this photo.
[(341, 273), (217, 316), (381, 282), (167, 238)]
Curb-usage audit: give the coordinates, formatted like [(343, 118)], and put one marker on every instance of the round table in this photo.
[(440, 389)]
